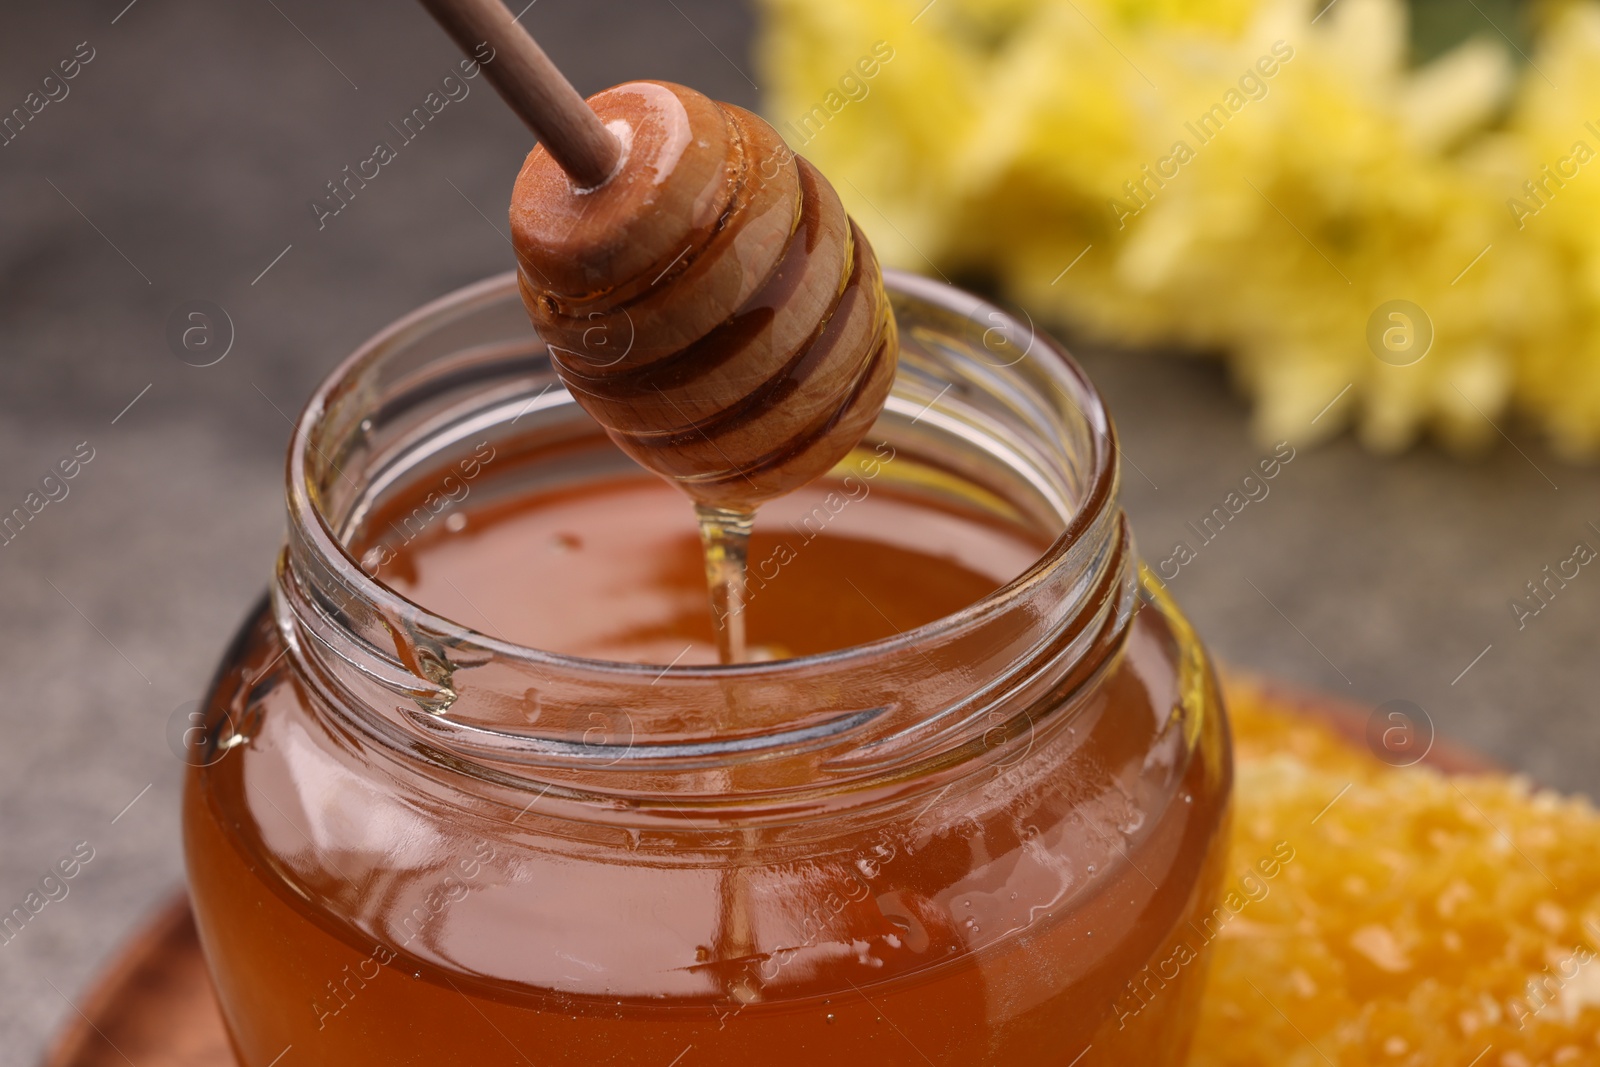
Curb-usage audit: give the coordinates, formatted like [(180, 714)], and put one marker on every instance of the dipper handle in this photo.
[(538, 92)]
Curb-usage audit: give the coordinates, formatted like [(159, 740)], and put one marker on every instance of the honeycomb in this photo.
[(1421, 919)]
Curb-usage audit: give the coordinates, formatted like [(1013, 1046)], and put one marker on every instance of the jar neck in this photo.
[(980, 398)]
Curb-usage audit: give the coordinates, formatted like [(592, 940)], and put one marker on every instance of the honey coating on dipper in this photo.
[(711, 304), (1419, 921)]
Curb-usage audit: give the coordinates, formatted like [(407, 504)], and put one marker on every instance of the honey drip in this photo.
[(725, 537)]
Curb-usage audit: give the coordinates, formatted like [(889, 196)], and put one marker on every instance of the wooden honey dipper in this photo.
[(703, 294)]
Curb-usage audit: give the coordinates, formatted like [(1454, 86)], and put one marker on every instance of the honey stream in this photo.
[(725, 537)]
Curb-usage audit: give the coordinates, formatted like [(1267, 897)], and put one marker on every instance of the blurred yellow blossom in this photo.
[(1558, 130), (1251, 177)]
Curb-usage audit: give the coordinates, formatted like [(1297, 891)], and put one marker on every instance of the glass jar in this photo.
[(990, 839)]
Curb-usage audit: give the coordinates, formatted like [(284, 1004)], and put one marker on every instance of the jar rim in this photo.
[(1065, 373)]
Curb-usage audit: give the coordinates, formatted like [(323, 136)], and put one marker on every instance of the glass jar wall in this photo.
[(461, 803)]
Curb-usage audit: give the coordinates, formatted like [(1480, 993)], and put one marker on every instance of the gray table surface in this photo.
[(181, 165)]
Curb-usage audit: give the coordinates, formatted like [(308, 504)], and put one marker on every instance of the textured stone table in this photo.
[(180, 166)]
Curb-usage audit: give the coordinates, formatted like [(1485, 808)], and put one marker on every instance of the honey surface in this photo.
[(830, 567)]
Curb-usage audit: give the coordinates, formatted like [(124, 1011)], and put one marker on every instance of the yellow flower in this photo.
[(1554, 202), (1250, 177)]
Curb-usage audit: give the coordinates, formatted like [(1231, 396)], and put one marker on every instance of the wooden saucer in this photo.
[(154, 1006)]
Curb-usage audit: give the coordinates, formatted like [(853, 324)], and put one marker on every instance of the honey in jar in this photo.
[(477, 791)]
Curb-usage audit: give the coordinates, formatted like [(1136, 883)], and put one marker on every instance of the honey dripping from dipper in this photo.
[(712, 306), (975, 806)]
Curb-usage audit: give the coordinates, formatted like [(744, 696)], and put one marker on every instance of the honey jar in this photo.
[(474, 789)]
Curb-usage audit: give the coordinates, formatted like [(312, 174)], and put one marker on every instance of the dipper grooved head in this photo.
[(710, 304)]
